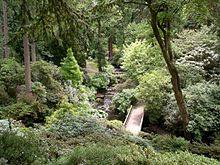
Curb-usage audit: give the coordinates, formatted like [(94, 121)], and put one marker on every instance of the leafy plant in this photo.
[(70, 69), (152, 89), (181, 157), (169, 143), (139, 58), (49, 76), (17, 149), (202, 101), (100, 81), (28, 113), (11, 75), (123, 100), (105, 154)]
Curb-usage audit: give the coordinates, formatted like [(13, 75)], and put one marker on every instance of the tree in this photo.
[(162, 14), (33, 52), (5, 29), (26, 47), (70, 69)]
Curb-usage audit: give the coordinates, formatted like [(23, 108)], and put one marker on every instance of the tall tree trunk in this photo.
[(5, 29), (27, 63), (165, 46), (110, 48), (100, 56), (33, 52)]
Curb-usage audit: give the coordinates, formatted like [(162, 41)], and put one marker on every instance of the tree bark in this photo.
[(100, 55), (33, 52), (27, 63), (165, 46), (5, 29), (110, 48)]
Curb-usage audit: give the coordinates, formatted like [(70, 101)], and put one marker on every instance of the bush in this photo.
[(180, 158), (190, 74), (72, 123), (212, 150), (199, 50), (169, 143), (11, 75), (4, 97), (70, 69), (139, 31), (40, 91), (17, 149), (28, 113), (152, 89), (103, 154), (202, 101), (123, 100), (100, 81), (50, 78), (139, 58)]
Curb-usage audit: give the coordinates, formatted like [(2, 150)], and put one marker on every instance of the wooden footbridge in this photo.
[(134, 120)]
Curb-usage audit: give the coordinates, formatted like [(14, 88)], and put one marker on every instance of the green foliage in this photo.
[(123, 100), (16, 149), (11, 75), (212, 150), (203, 104), (105, 154), (73, 126), (100, 81), (190, 39), (140, 31), (140, 57), (202, 101), (70, 122), (152, 89), (29, 113), (167, 143), (70, 69), (40, 90), (49, 76), (190, 75), (180, 158), (4, 97), (109, 70)]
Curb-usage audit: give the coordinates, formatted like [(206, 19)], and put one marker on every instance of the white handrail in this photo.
[(129, 112)]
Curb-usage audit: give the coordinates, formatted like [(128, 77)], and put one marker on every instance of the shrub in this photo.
[(190, 74), (138, 31), (152, 89), (45, 72), (100, 81), (202, 101), (212, 150), (199, 50), (29, 113), (70, 69), (105, 154), (49, 76), (169, 143), (70, 123), (109, 70), (17, 149), (123, 100), (139, 58), (40, 91), (179, 158), (4, 97), (11, 75)]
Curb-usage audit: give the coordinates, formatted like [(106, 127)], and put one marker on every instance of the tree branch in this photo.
[(136, 3)]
